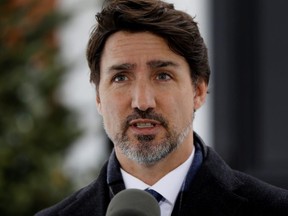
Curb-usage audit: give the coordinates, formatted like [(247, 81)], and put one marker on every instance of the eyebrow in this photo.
[(161, 63), (124, 66), (153, 64)]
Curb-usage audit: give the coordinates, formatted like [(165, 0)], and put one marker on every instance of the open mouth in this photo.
[(144, 125)]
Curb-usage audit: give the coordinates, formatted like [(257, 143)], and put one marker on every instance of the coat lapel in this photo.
[(209, 197), (213, 189)]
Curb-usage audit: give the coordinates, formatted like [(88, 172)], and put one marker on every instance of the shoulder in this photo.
[(259, 195), (55, 209), (85, 198), (258, 191)]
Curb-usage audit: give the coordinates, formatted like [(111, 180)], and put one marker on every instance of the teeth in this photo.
[(144, 125)]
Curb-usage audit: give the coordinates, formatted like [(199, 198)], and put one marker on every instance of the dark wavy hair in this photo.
[(177, 27)]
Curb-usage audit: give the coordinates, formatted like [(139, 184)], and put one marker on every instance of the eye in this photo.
[(120, 78), (163, 76)]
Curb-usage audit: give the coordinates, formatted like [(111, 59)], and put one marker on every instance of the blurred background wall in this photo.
[(51, 136), (250, 93)]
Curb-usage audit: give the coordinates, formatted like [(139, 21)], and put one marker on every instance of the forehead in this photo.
[(123, 39), (126, 47)]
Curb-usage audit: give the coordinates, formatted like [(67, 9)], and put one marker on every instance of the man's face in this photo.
[(146, 96)]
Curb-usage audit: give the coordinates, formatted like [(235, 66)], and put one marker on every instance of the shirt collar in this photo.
[(173, 180)]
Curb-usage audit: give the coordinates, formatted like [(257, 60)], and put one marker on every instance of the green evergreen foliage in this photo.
[(35, 127)]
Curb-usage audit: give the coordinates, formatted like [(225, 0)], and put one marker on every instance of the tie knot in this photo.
[(155, 194)]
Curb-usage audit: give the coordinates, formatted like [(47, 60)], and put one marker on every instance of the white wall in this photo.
[(77, 92), (87, 152)]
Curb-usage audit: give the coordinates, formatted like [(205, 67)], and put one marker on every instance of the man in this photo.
[(149, 64)]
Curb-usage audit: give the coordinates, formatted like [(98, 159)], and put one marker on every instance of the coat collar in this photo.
[(213, 191)]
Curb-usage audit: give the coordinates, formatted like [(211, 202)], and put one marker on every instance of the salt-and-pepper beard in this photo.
[(145, 151)]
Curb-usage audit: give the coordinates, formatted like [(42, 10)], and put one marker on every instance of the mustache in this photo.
[(147, 114)]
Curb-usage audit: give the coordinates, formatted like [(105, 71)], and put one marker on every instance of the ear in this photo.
[(200, 94), (98, 103)]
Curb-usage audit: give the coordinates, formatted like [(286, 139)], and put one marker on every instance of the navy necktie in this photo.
[(155, 194)]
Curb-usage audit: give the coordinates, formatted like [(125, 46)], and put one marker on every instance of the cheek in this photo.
[(183, 109), (113, 113), (109, 111)]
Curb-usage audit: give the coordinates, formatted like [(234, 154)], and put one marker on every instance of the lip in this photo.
[(144, 130), (136, 121)]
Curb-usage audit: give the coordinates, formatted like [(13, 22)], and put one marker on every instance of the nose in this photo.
[(143, 96)]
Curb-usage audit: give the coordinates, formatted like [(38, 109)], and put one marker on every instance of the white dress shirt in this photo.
[(168, 186)]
